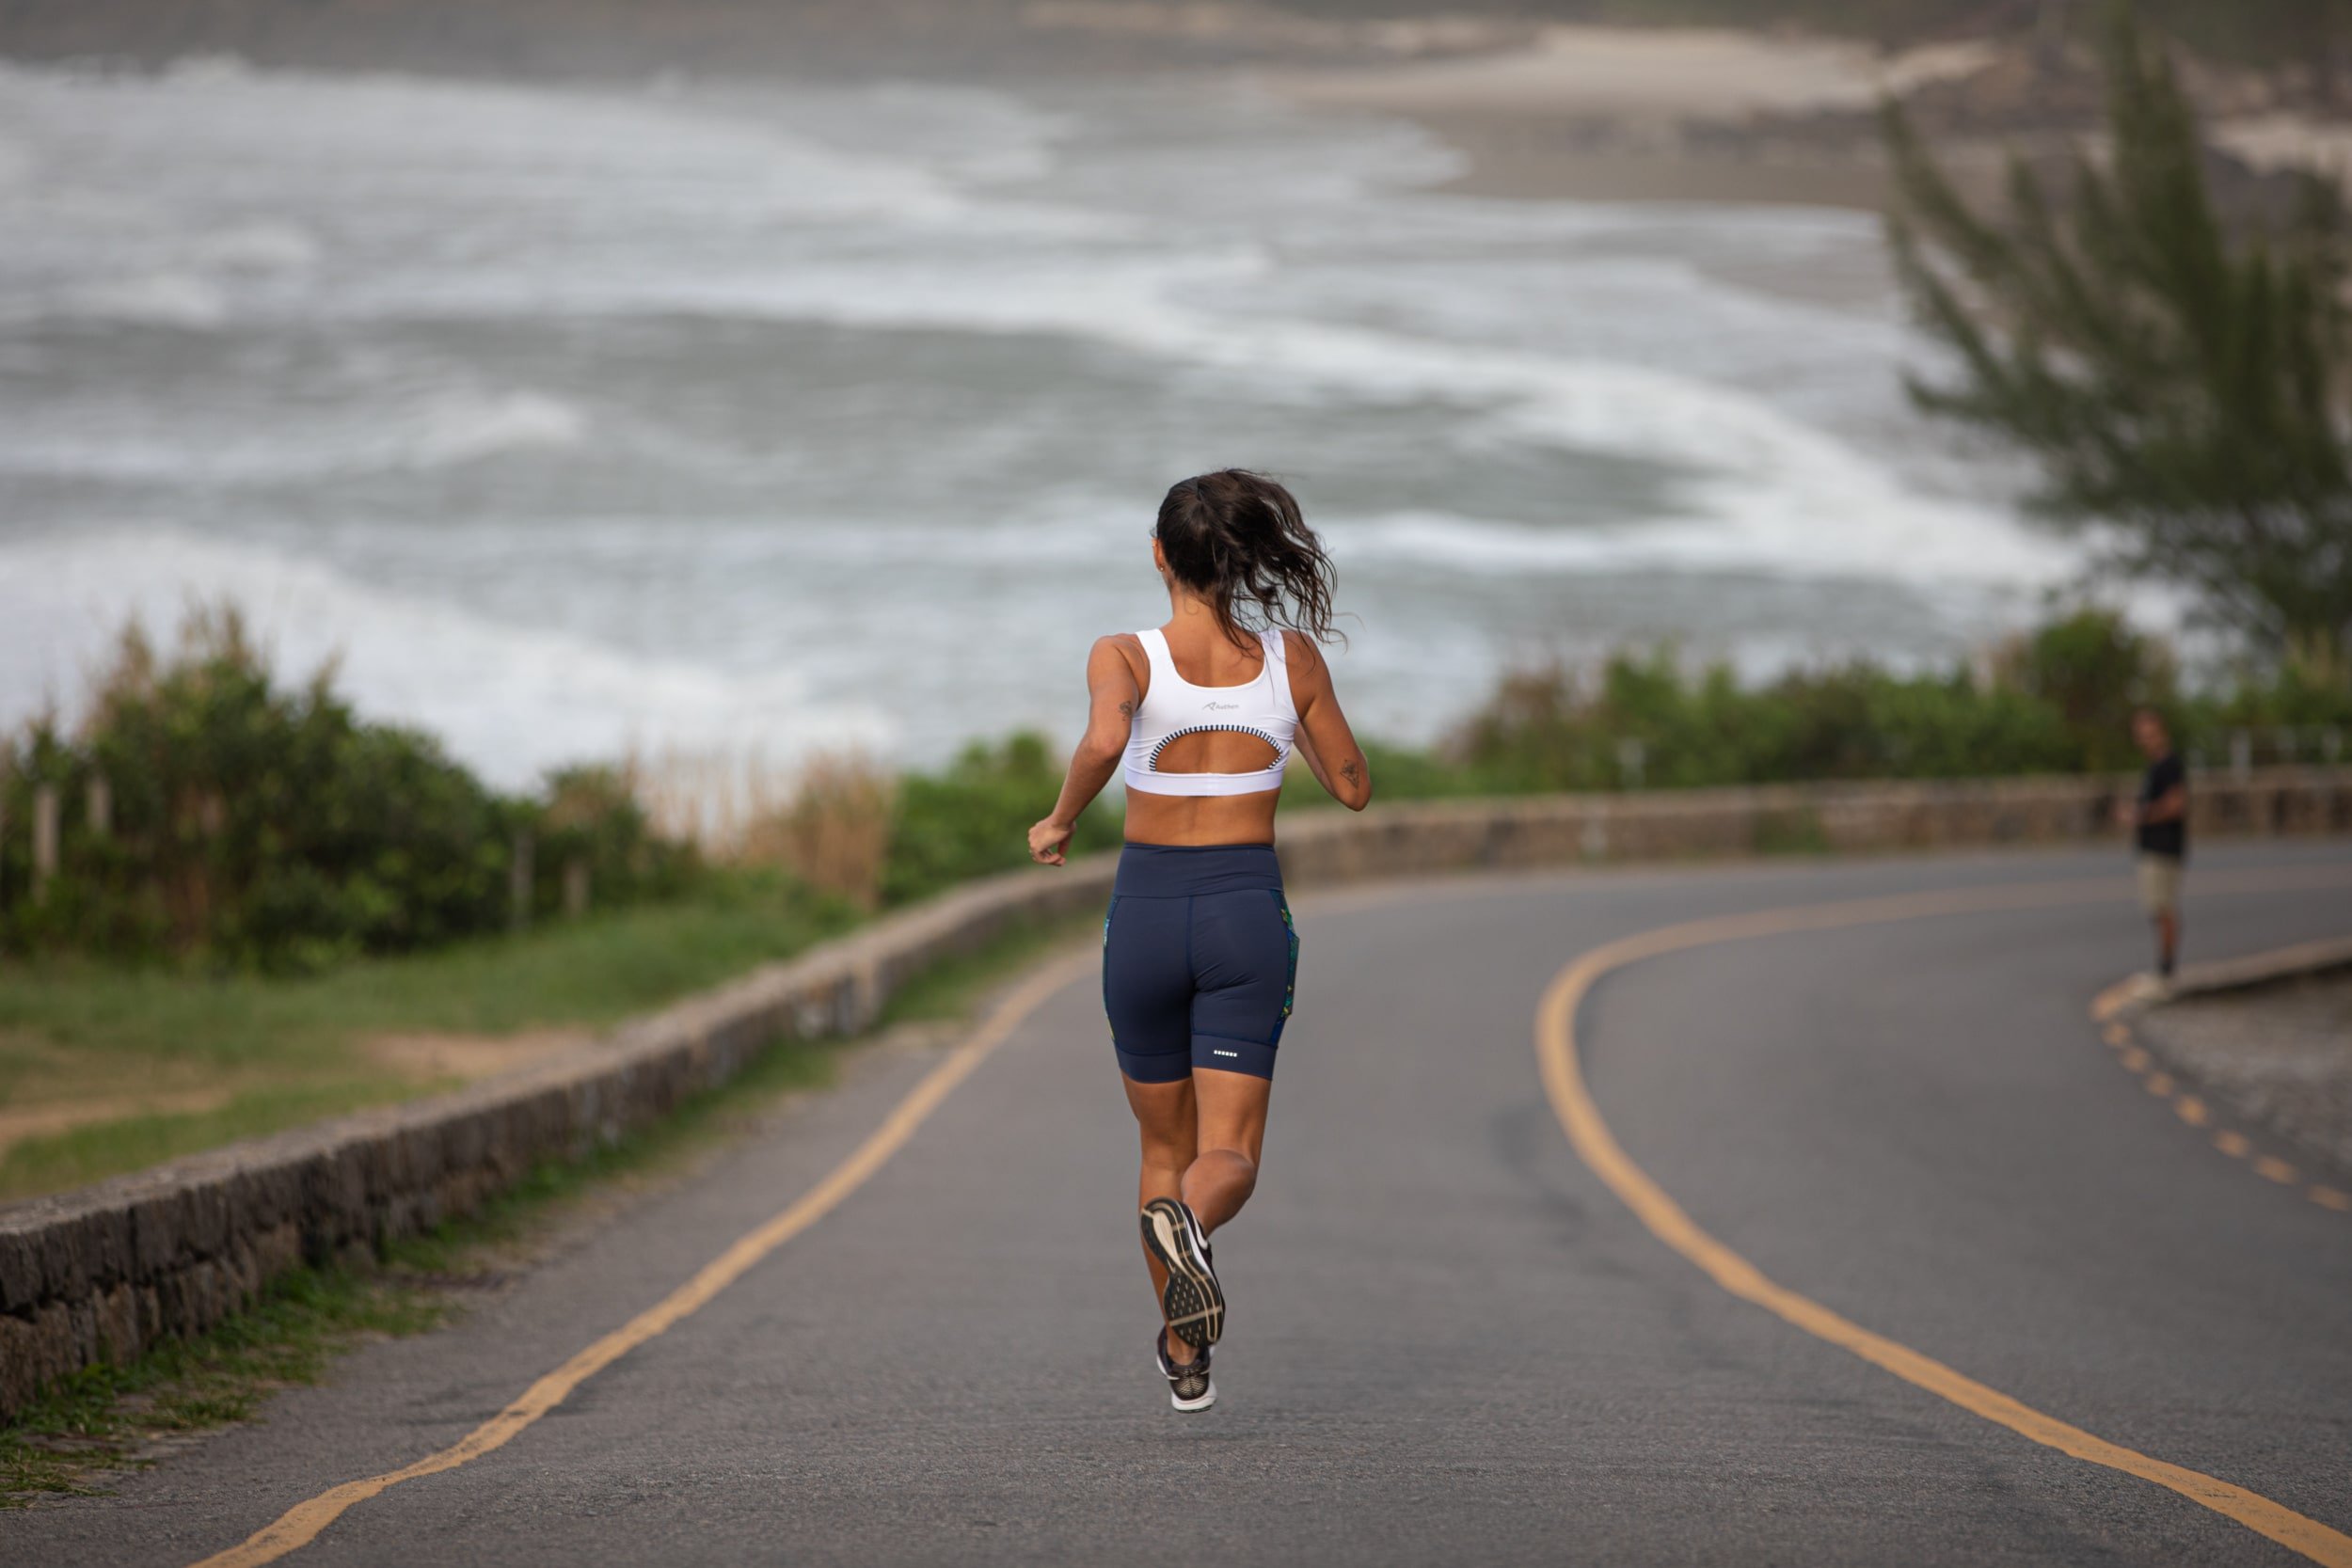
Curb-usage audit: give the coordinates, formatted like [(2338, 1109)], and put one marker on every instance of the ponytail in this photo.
[(1238, 540)]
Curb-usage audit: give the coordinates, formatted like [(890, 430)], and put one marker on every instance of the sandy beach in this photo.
[(1619, 114)]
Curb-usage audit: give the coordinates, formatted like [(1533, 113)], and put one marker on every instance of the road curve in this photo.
[(1450, 1338)]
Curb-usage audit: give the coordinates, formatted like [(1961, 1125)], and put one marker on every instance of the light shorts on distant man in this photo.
[(2160, 883)]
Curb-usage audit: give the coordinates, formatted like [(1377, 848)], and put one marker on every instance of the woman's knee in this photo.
[(1232, 1164)]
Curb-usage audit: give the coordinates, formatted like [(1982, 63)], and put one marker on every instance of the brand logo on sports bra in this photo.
[(1220, 707)]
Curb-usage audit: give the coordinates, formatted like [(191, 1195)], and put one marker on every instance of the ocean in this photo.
[(766, 420)]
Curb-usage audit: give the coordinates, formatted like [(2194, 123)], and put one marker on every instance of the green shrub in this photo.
[(974, 817), (2056, 700), (593, 816), (255, 826)]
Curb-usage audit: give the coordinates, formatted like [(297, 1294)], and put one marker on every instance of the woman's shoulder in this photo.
[(1303, 654), (1125, 647)]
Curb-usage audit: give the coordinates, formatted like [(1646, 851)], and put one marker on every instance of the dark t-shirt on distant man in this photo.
[(2171, 838)]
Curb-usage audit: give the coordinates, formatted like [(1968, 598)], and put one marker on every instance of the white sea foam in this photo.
[(214, 69), (511, 700), (260, 247), (464, 427), (1203, 269), (1779, 491), (1933, 544), (436, 430), (177, 299)]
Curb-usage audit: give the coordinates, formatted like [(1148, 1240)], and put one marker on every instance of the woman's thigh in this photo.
[(1147, 986), (1167, 1115), (1245, 962)]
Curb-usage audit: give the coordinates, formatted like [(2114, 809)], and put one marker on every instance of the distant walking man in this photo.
[(2160, 823)]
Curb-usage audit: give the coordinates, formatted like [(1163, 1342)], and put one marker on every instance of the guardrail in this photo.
[(105, 1271)]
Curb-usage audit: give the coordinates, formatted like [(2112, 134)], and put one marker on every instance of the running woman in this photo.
[(1200, 957)]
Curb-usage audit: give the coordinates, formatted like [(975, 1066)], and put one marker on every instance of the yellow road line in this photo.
[(1563, 1081), (2106, 1010), (301, 1524)]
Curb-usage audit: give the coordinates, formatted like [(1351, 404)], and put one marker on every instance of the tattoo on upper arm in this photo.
[(1348, 770), (1126, 710)]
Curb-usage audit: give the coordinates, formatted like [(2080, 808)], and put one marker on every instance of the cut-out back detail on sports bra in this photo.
[(1173, 707)]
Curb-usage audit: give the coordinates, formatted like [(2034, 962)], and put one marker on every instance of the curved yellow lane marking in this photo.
[(1563, 1081), (301, 1524), (2110, 1008)]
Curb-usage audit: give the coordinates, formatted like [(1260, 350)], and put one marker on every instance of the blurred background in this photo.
[(466, 463), (714, 376)]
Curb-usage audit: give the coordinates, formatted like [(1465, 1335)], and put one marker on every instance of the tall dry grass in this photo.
[(827, 823), (834, 835)]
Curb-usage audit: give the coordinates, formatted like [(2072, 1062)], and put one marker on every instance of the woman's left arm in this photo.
[(1325, 739), (1111, 699)]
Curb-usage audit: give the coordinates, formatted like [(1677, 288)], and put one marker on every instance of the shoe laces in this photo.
[(1190, 1377)]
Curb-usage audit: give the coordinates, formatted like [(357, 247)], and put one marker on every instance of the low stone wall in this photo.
[(1557, 829), (110, 1269), (107, 1270)]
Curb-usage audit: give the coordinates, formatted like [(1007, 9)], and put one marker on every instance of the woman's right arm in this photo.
[(1112, 695)]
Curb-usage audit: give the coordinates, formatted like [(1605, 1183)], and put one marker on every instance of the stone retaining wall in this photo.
[(109, 1269)]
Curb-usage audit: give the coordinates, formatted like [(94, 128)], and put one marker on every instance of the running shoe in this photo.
[(1189, 1386), (1193, 1303)]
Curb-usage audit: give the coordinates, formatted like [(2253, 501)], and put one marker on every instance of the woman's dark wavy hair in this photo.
[(1238, 540)]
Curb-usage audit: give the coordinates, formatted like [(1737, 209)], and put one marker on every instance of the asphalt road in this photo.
[(1449, 1340)]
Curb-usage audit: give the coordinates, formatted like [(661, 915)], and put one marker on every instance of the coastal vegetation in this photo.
[(2185, 389), (2053, 700), (129, 1035), (203, 810)]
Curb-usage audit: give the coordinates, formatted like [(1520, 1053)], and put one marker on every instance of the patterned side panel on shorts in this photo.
[(1290, 982), (1106, 964)]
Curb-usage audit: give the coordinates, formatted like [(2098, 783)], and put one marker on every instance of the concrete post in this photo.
[(44, 838), (575, 888), (518, 883), (1631, 754)]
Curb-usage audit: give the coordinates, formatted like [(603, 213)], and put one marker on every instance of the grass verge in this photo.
[(953, 989), (267, 1054), (109, 1417)]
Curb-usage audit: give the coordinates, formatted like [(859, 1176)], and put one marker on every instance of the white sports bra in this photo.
[(1173, 707)]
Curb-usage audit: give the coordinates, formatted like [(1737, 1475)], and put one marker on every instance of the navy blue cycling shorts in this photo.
[(1199, 960)]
